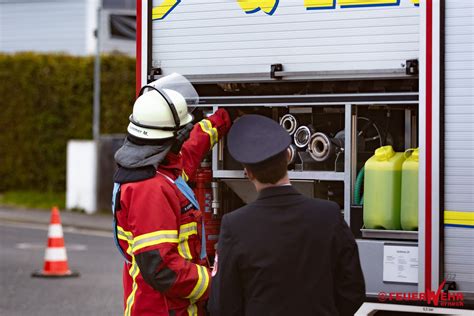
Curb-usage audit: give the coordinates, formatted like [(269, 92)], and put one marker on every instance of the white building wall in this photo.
[(48, 26), (81, 180)]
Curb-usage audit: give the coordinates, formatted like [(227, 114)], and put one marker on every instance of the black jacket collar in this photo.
[(277, 191)]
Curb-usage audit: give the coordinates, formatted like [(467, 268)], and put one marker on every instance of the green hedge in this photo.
[(45, 100)]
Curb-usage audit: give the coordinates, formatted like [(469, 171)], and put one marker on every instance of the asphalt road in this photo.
[(97, 291)]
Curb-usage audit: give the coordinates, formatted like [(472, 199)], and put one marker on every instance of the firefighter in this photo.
[(283, 254), (157, 221)]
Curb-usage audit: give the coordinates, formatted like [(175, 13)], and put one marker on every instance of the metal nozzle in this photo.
[(320, 147), (215, 204), (302, 136), (289, 123)]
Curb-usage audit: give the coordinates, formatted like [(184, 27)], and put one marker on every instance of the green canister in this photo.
[(409, 198), (382, 186)]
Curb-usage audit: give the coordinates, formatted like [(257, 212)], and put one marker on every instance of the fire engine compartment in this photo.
[(336, 127), (318, 165)]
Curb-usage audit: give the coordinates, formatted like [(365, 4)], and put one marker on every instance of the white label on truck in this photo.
[(400, 264)]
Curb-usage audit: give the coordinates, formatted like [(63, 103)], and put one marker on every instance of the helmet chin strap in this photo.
[(171, 106)]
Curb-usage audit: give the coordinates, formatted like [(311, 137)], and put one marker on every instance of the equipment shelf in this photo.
[(389, 234), (294, 175)]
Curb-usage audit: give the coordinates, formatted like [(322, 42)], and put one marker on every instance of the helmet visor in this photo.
[(179, 84)]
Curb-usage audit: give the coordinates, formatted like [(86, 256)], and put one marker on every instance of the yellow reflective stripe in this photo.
[(205, 282), (184, 176), (192, 310), (198, 285), (206, 126), (134, 271), (184, 251), (124, 235), (154, 238), (185, 231), (214, 134), (459, 218), (201, 284)]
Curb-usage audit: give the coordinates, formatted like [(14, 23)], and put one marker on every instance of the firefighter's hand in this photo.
[(235, 114)]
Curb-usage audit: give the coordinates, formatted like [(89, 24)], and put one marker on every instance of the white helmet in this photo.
[(159, 113)]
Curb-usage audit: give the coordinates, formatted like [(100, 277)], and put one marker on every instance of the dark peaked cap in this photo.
[(255, 138)]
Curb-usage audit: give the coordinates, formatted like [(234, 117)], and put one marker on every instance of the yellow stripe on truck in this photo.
[(162, 10), (464, 219), (331, 4)]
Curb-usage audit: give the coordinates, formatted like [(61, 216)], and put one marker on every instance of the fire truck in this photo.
[(343, 77)]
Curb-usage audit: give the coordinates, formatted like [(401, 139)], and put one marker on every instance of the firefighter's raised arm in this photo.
[(204, 136)]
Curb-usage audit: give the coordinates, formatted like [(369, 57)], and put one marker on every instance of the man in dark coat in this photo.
[(283, 254)]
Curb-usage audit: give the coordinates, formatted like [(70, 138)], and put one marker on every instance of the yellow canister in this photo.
[(382, 186), (409, 194)]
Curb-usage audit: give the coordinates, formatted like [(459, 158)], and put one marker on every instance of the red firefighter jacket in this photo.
[(159, 231)]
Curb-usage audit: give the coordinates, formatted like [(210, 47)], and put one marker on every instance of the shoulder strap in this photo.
[(115, 208), (184, 188), (189, 194)]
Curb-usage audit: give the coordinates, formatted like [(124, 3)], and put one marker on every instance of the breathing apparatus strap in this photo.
[(189, 194), (115, 208)]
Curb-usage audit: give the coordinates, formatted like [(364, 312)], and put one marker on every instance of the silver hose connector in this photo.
[(215, 204), (320, 147), (302, 136), (289, 123)]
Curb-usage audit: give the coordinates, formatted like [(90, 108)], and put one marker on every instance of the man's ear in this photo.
[(288, 155), (249, 174)]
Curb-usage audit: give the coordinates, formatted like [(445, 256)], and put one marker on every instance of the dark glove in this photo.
[(181, 137), (234, 113)]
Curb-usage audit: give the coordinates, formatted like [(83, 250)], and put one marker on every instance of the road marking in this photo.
[(69, 230), (33, 246)]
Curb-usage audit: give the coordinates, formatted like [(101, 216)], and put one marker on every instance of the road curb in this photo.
[(101, 223), (66, 226)]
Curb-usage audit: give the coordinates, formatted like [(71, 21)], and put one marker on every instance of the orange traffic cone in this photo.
[(55, 258)]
